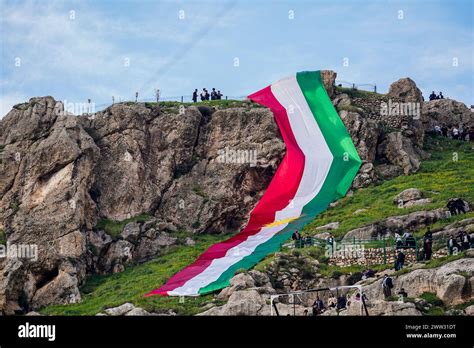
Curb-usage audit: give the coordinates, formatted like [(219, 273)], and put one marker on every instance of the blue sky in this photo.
[(78, 55)]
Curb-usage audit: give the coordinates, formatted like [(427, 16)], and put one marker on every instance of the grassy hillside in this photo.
[(440, 178), (105, 291)]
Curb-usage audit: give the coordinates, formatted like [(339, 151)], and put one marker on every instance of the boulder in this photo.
[(329, 80), (329, 226), (131, 231), (410, 194), (450, 282), (243, 302), (410, 222), (405, 89), (469, 310), (137, 312), (399, 150), (447, 112), (120, 310)]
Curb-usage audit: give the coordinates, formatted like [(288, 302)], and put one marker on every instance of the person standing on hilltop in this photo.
[(213, 94), (195, 96), (433, 95), (203, 94), (219, 95)]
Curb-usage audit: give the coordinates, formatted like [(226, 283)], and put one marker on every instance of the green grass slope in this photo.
[(448, 173)]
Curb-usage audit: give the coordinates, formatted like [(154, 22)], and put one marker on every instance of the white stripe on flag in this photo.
[(318, 159)]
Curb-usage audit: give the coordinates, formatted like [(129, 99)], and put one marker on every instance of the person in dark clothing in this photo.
[(296, 235), (203, 94), (433, 96), (387, 285), (441, 96), (341, 302), (402, 293), (471, 134), (428, 234), (456, 206), (465, 240), (427, 248), (213, 94), (460, 207), (195, 96), (206, 94), (452, 206), (219, 95), (369, 273), (400, 261), (318, 306), (444, 130)]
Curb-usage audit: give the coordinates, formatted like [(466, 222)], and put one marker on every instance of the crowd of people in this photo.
[(340, 302), (460, 242), (454, 132), (433, 95), (205, 95)]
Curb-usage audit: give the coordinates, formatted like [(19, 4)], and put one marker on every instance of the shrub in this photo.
[(3, 238), (432, 299), (114, 228)]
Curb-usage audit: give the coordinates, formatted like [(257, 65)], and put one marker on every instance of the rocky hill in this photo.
[(123, 186)]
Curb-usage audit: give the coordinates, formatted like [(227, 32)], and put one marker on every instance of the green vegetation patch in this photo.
[(114, 228), (3, 237), (105, 291), (432, 299)]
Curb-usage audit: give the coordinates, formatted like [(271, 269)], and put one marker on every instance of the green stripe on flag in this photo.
[(344, 167)]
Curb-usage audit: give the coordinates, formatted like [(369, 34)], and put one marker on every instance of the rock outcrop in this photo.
[(452, 282), (446, 112), (194, 169), (409, 222)]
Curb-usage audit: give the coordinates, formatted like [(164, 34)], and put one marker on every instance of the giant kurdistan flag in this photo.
[(318, 168)]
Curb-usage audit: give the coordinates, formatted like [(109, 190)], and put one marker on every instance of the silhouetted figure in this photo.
[(400, 261), (219, 95), (318, 306), (427, 248), (441, 96), (456, 206), (402, 293), (471, 134), (433, 95), (195, 96), (465, 240), (387, 285), (296, 235), (444, 130), (213, 94), (341, 302), (203, 94)]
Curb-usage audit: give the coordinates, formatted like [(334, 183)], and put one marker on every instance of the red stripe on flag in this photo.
[(279, 193)]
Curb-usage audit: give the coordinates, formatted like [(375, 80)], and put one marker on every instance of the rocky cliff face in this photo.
[(61, 174), (197, 169)]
